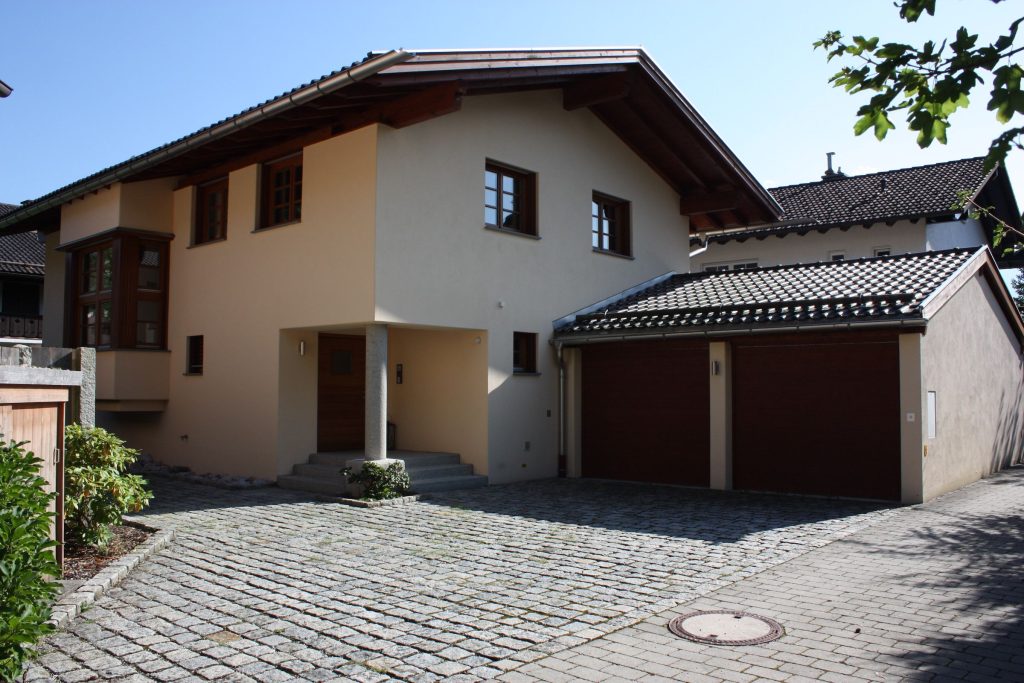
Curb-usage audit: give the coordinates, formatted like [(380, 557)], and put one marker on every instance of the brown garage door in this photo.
[(817, 415), (645, 411)]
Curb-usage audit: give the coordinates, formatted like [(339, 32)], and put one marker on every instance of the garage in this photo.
[(817, 414), (645, 411)]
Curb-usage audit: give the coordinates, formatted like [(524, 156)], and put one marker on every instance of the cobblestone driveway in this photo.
[(271, 586)]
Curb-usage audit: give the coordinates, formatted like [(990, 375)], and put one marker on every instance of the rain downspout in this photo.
[(562, 469)]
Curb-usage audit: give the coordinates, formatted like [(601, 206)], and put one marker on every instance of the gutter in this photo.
[(910, 325), (291, 100)]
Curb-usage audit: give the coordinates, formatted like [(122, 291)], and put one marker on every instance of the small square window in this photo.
[(510, 199), (837, 256), (609, 224), (883, 251), (524, 352), (211, 221), (194, 355)]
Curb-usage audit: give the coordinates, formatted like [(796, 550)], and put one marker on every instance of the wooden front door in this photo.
[(341, 393)]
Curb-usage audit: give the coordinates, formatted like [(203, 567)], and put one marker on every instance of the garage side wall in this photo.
[(972, 362)]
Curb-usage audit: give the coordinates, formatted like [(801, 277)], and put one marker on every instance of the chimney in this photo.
[(829, 173)]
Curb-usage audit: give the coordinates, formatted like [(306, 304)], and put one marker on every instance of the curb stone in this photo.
[(360, 503), (70, 605)]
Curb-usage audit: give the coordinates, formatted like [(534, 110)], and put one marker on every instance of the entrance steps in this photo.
[(428, 472)]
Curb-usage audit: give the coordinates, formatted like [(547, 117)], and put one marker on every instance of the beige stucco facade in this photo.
[(972, 361), (391, 231)]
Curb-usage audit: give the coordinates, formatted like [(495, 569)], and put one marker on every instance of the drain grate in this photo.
[(726, 628)]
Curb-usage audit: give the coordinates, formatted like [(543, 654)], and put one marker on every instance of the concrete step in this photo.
[(412, 459), (416, 473)]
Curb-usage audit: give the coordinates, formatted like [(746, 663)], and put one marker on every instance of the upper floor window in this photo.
[(510, 199), (609, 224), (211, 221), (524, 353), (120, 296), (883, 251), (837, 256), (281, 191), (722, 267)]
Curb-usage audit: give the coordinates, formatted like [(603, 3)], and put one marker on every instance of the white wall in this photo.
[(973, 362), (953, 234), (902, 237), (437, 265)]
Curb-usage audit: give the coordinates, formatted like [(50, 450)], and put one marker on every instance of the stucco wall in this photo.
[(147, 205), (973, 362), (438, 265), (53, 293), (951, 234), (241, 293), (441, 404), (91, 214), (902, 237)]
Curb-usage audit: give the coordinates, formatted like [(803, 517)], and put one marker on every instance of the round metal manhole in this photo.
[(726, 628)]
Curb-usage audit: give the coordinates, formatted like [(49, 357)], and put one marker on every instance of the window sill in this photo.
[(506, 231), (191, 374), (608, 252), (276, 226), (525, 374), (193, 245)]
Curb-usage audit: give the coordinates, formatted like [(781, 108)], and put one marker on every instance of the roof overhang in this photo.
[(623, 87)]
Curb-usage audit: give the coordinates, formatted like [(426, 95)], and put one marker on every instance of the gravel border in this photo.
[(70, 605), (388, 502)]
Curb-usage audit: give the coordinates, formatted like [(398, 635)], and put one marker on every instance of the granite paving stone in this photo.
[(467, 585)]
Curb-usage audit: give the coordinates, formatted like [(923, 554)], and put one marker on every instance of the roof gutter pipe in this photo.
[(716, 334), (129, 168)]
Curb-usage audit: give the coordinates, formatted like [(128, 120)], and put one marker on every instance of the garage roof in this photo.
[(881, 290)]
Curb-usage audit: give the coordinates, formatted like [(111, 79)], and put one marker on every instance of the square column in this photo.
[(912, 450), (376, 429), (720, 371)]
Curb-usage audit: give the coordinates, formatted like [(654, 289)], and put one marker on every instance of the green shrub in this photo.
[(380, 483), (98, 491), (26, 558)]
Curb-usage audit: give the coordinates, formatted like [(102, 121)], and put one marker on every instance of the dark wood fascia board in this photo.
[(115, 232), (709, 202), (596, 90), (422, 106), (265, 154)]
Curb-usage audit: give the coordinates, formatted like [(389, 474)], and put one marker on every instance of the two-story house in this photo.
[(389, 243), (840, 217)]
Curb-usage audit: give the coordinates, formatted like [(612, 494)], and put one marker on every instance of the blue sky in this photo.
[(97, 82)]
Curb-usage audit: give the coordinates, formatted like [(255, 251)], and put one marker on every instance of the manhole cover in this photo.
[(726, 628)]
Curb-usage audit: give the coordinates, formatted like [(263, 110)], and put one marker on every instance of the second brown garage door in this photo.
[(817, 415), (645, 411)]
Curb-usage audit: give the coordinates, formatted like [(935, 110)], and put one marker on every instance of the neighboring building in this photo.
[(846, 217), (897, 378), (22, 256), (425, 214)]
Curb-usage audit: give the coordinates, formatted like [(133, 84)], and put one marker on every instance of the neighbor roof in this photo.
[(622, 86), (903, 193), (869, 290), (21, 253)]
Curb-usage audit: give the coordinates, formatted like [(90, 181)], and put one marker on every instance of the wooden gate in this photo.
[(35, 414)]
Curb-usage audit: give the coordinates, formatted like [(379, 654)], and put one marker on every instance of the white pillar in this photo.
[(911, 423), (376, 429), (720, 361)]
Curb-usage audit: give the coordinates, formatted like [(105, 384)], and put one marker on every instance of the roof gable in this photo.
[(622, 86)]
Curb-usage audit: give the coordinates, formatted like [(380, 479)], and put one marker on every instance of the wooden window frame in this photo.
[(204, 230), (194, 354), (125, 295), (292, 207), (524, 201), (524, 353), (610, 235)]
